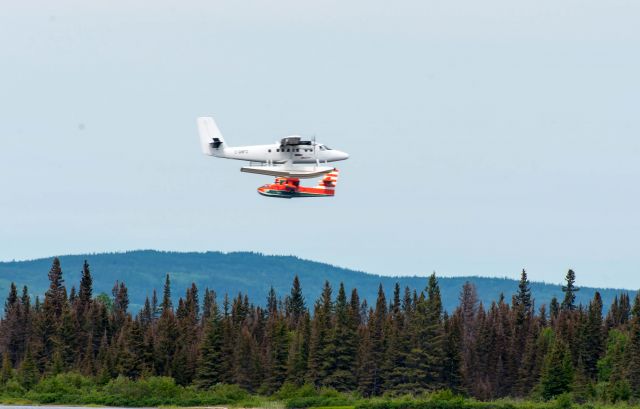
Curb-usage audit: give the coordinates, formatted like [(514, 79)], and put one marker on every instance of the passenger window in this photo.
[(269, 150)]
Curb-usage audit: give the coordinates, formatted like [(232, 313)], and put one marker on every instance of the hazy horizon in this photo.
[(559, 282)]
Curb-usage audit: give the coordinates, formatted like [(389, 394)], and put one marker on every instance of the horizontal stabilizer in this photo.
[(302, 173)]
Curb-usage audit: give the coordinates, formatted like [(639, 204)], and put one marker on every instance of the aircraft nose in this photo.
[(344, 155)]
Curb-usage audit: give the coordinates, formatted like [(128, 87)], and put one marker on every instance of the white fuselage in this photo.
[(277, 153), (291, 149)]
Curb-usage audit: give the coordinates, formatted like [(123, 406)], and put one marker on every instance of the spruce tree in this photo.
[(612, 368), (377, 332), (11, 338), (299, 352), (72, 295), (398, 347), (272, 302), (425, 362), (407, 306), (593, 341), (544, 343), (366, 366), (633, 350), (146, 314), (506, 369), (468, 311), (569, 290), (528, 361), (452, 368), (245, 373), (155, 308), (343, 338), (25, 302), (523, 339), (192, 304), (296, 301), (557, 375), (166, 295), (321, 359), (66, 339), (181, 368), (420, 374), (229, 341), (167, 333), (86, 286), (42, 344), (120, 305), (7, 370), (208, 305), (435, 333), (56, 295), (12, 300), (87, 365), (187, 316), (582, 387), (554, 309), (354, 309), (28, 373), (82, 311), (276, 352), (126, 361), (105, 364), (45, 329), (99, 323), (148, 350), (522, 302), (624, 311), (542, 316)]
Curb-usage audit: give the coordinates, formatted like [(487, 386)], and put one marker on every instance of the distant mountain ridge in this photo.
[(253, 274)]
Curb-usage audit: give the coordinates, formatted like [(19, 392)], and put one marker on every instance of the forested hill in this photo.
[(253, 274)]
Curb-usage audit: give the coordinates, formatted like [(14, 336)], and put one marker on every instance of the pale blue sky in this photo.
[(484, 135)]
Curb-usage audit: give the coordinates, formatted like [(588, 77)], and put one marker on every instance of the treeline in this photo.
[(404, 344)]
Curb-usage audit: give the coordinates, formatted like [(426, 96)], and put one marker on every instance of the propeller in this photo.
[(315, 151)]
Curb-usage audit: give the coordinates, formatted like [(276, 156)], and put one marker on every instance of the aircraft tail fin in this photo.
[(210, 137), (330, 180)]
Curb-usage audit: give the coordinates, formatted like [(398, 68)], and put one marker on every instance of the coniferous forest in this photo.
[(399, 344)]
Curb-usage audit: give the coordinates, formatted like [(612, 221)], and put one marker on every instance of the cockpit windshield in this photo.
[(324, 148)]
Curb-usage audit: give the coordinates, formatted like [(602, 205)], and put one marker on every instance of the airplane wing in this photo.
[(302, 173)]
